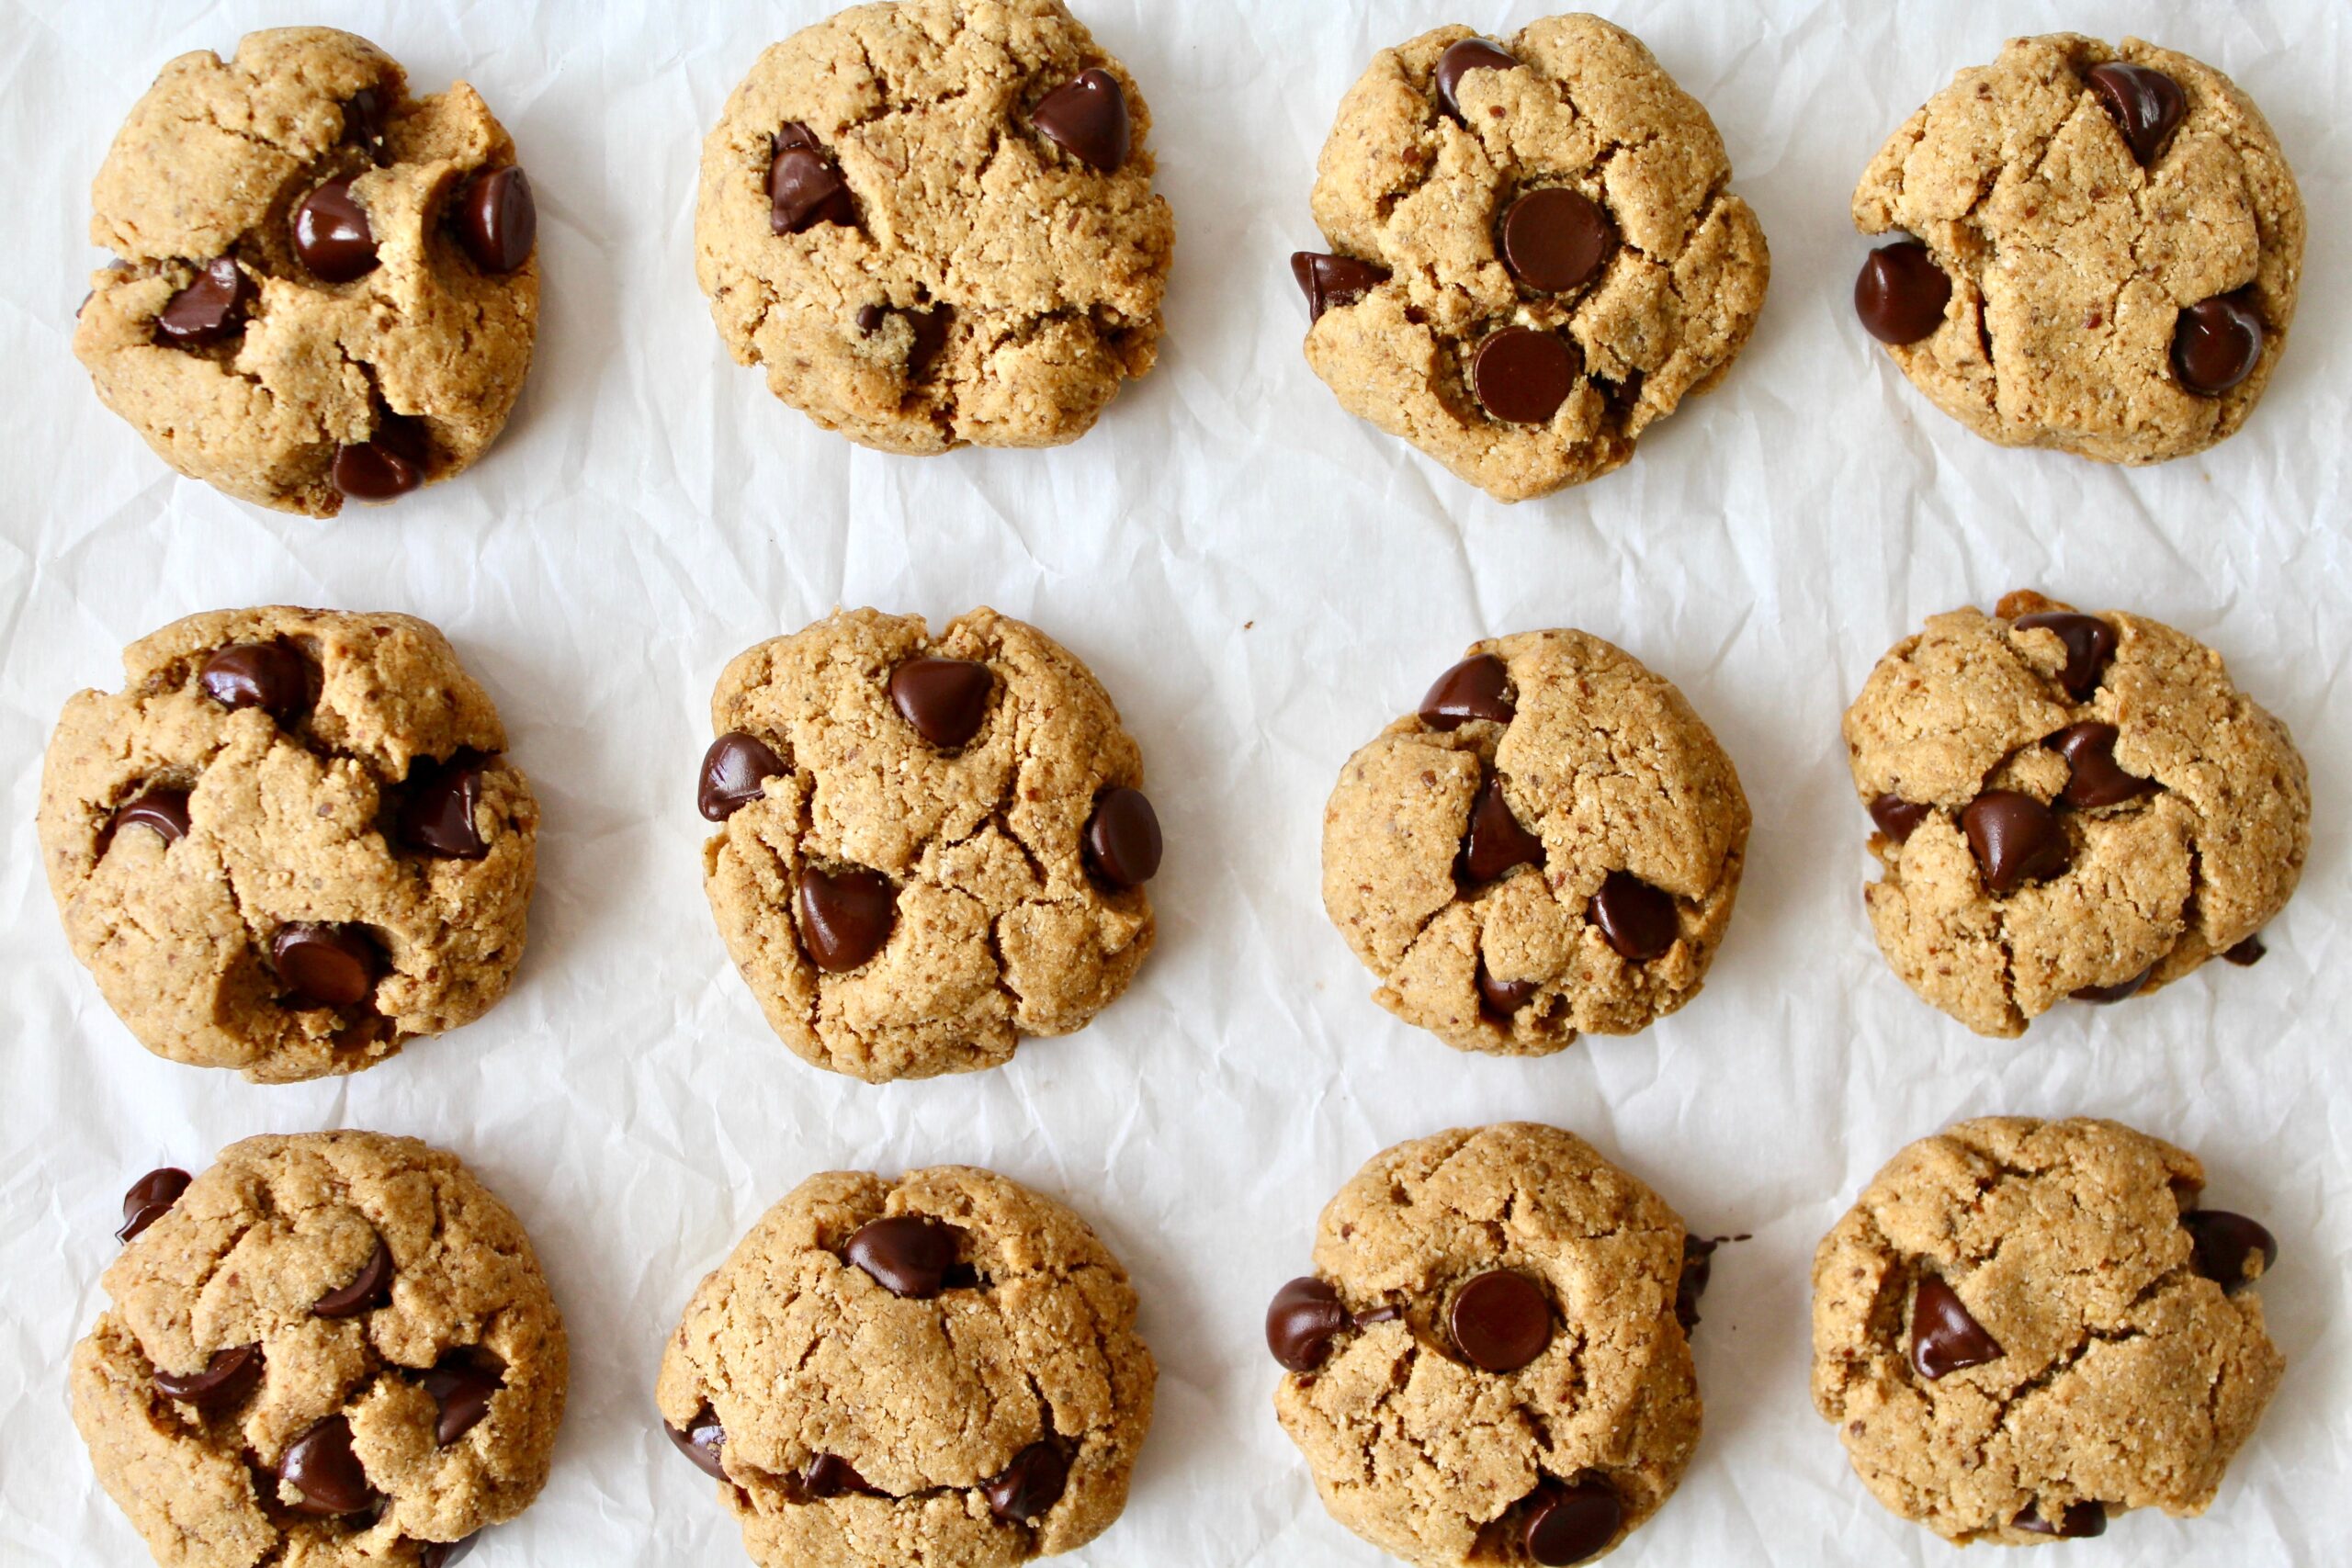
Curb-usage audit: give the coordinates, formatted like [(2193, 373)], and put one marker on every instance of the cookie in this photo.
[(333, 1350), (322, 288), (941, 1369), (930, 847), (1489, 1363), (932, 224), (2068, 806), (289, 844), (1552, 844), (1533, 254), (2022, 1327), (2100, 250)]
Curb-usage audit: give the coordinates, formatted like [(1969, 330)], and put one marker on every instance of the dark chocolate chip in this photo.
[(441, 814), (1494, 842), (225, 1381), (1470, 54), (1522, 376), (1635, 917), (2093, 779), (804, 190), (1086, 118), (2248, 954), (2076, 1521), (497, 219), (365, 114), (370, 1289), (150, 1199), (732, 771), (1302, 1321), (1698, 1267), (1556, 238), (1898, 819), (2227, 1245), (1478, 687), (1330, 281), (461, 1384), (208, 309), (945, 699), (931, 329), (2147, 104), (1123, 842), (1500, 999), (326, 965), (1500, 1321), (321, 1466), (331, 234), (445, 1553), (1569, 1524), (2016, 839), (845, 916), (2089, 643), (2123, 990), (830, 1475), (165, 810), (1030, 1487), (870, 319), (1944, 1339), (908, 1255), (1379, 1314), (386, 465), (2217, 343), (1901, 293), (267, 675), (700, 1441)]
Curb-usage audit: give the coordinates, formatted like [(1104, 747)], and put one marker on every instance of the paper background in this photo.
[(1262, 583)]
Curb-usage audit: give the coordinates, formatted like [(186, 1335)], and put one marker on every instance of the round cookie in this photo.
[(1535, 257), (939, 1370), (2100, 250), (322, 287), (2068, 806), (932, 847), (1489, 1364), (1552, 844), (290, 845), (932, 224), (334, 1349), (2023, 1325)]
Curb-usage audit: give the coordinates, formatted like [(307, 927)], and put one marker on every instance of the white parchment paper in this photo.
[(1261, 583)]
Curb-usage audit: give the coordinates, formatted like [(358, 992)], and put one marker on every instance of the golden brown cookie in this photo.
[(942, 1370), (334, 1349), (2022, 1327)]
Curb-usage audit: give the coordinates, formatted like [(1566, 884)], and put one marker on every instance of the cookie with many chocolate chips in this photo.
[(932, 224), (335, 1349), (1487, 1365), (1535, 257), (2024, 1326), (323, 288), (2068, 806), (1553, 844), (941, 1369), (930, 847), (291, 843), (2097, 250)]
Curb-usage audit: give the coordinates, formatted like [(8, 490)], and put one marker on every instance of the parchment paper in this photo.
[(1261, 583)]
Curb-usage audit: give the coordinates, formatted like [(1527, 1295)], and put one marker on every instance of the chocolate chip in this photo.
[(1086, 118), (1522, 376), (2089, 643), (2076, 1521), (1500, 1321), (870, 319), (439, 817), (931, 329), (1494, 842), (2226, 1245), (370, 1289), (327, 966), (1944, 1339), (163, 809), (321, 1466), (1556, 238), (805, 189), (1500, 999), (1470, 54), (1123, 842), (150, 1199), (461, 1384), (1698, 1267), (1302, 1321), (2016, 839), (388, 465), (497, 219), (1478, 687), (2123, 990), (1571, 1523), (331, 234), (2147, 104), (1030, 1486), (1330, 281), (945, 699), (700, 1441), (1379, 1314), (1635, 917), (1901, 293), (908, 1255), (445, 1553), (845, 916), (2217, 343), (365, 115), (2093, 779), (731, 773), (208, 309), (830, 1475), (267, 675), (2248, 954), (1898, 819), (225, 1381)]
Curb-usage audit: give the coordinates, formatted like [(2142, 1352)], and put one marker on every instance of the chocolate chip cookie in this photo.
[(932, 224), (1552, 844), (2099, 250), (930, 847), (1533, 258), (2068, 806), (2022, 1327), (333, 1350), (941, 1369), (291, 843), (322, 287), (1489, 1363)]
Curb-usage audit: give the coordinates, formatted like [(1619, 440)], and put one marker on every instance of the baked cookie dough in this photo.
[(1489, 1363), (941, 1369), (1533, 255), (932, 224), (2068, 806), (2022, 1327), (334, 1349), (289, 844), (1550, 845), (322, 287), (2100, 250)]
